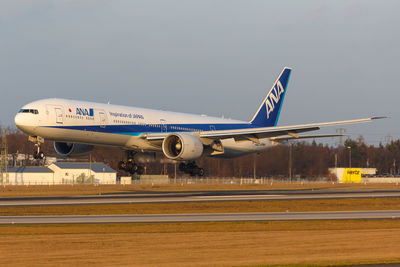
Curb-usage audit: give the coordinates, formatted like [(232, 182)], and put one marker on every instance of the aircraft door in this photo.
[(103, 120), (163, 126), (59, 115)]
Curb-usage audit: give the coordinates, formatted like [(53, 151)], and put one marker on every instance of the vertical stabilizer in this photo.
[(267, 114)]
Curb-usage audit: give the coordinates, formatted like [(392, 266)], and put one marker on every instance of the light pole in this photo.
[(349, 147), (335, 160), (254, 165), (90, 166), (290, 161)]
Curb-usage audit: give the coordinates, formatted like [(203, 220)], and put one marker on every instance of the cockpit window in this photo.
[(33, 111)]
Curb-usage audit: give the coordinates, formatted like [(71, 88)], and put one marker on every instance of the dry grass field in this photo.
[(68, 190), (308, 243), (327, 243)]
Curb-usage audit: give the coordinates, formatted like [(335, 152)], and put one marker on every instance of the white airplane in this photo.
[(77, 126)]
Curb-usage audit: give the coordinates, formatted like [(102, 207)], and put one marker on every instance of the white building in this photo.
[(83, 172), (61, 173), (32, 175)]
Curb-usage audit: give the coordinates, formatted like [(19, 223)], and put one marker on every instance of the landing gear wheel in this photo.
[(130, 165), (121, 165), (200, 172), (38, 154), (135, 168), (41, 155), (191, 168), (197, 171)]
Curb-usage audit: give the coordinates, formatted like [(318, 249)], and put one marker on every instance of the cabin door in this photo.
[(103, 120), (163, 126), (59, 115)]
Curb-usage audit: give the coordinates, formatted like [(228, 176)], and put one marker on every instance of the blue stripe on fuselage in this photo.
[(136, 130)]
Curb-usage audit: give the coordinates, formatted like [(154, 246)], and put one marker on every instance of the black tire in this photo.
[(121, 165), (191, 165), (135, 168), (132, 168), (41, 155), (200, 172), (129, 167)]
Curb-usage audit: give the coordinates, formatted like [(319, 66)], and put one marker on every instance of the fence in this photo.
[(227, 180)]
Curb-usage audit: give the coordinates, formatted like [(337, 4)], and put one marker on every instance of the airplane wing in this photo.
[(267, 132), (256, 133)]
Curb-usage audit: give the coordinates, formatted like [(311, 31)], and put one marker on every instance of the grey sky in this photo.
[(212, 57)]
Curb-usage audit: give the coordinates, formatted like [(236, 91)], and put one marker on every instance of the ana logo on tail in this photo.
[(274, 97), (267, 114)]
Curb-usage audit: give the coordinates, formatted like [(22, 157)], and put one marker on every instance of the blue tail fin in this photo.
[(267, 114)]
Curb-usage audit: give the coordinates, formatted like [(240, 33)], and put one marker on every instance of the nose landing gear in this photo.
[(191, 168), (37, 152)]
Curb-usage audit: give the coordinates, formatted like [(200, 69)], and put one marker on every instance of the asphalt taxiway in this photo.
[(204, 217), (196, 196)]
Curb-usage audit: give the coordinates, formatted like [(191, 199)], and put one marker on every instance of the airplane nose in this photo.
[(26, 122), (18, 120), (23, 122)]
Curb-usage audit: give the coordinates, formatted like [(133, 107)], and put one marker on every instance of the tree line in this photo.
[(309, 159)]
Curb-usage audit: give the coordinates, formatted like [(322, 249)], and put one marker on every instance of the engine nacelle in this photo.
[(181, 146), (71, 149)]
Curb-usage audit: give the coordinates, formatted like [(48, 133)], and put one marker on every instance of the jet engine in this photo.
[(181, 146), (71, 149)]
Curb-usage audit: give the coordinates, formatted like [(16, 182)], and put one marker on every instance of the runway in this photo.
[(205, 217), (204, 196)]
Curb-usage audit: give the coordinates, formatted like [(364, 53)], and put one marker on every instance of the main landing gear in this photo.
[(191, 168), (130, 165), (37, 152)]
